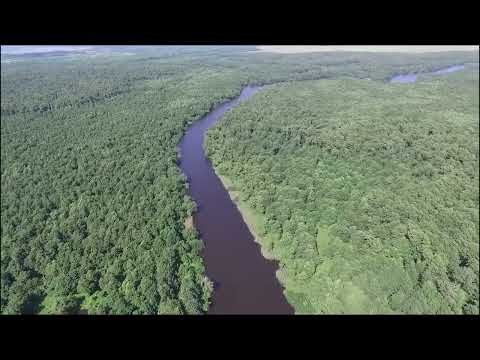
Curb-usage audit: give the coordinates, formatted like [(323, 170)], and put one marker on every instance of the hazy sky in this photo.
[(24, 49), (377, 48)]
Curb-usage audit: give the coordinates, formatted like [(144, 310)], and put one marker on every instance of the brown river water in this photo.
[(244, 281)]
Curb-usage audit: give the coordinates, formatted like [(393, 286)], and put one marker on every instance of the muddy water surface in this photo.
[(245, 282)]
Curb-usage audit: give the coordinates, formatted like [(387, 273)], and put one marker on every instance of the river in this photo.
[(411, 78), (244, 281)]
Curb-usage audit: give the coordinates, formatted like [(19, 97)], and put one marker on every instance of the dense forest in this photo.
[(93, 205), (366, 192)]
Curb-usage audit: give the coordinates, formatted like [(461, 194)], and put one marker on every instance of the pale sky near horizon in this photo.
[(26, 49), (287, 49), (290, 49)]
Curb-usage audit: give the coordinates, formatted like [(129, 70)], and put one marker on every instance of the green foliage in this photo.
[(93, 205), (371, 190)]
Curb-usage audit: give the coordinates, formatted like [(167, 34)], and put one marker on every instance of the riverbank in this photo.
[(245, 281), (344, 154), (254, 222), (250, 217)]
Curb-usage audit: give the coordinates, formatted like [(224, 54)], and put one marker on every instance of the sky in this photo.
[(375, 48), (30, 49), (290, 49)]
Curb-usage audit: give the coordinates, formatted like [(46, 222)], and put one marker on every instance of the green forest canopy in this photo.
[(368, 193), (93, 205)]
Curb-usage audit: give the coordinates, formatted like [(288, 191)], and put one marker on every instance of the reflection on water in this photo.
[(411, 78), (449, 69)]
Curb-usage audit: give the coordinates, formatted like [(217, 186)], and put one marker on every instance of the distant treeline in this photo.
[(93, 205), (368, 193)]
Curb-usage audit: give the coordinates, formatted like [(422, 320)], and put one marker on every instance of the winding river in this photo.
[(411, 78), (244, 281)]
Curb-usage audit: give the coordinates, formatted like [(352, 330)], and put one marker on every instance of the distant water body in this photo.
[(411, 78), (244, 281)]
